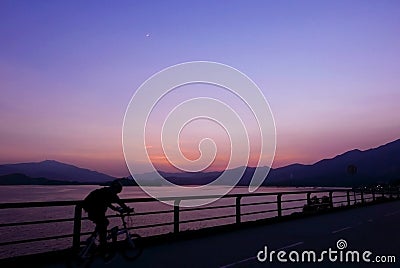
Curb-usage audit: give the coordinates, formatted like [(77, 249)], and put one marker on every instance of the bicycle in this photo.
[(130, 248)]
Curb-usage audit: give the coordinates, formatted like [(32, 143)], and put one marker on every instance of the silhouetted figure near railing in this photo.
[(316, 204), (96, 205)]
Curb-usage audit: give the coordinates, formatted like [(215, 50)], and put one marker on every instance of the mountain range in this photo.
[(55, 170), (373, 166), (377, 165)]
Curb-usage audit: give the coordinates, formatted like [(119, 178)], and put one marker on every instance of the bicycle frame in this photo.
[(111, 233)]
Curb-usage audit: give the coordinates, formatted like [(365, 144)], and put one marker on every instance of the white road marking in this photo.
[(290, 246), (238, 262), (340, 230), (255, 257), (392, 213)]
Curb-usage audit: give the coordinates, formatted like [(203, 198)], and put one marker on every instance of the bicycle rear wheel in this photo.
[(85, 255), (132, 247)]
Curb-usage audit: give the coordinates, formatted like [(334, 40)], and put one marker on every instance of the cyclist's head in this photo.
[(116, 186)]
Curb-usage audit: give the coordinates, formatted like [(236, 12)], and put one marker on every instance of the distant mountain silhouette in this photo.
[(54, 170), (21, 179), (378, 165), (194, 178)]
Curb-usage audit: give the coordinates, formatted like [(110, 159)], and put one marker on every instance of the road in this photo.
[(373, 228)]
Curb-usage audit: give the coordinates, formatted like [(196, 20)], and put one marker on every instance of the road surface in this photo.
[(374, 228)]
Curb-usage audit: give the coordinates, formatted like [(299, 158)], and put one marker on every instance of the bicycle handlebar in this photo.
[(123, 211)]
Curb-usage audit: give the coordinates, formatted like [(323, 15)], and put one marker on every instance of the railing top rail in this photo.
[(246, 194), (169, 198)]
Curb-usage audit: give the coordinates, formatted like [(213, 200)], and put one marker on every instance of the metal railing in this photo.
[(331, 199)]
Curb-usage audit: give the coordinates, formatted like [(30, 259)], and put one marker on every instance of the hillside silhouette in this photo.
[(377, 165), (55, 170)]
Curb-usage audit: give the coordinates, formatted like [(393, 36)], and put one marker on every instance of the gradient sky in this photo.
[(329, 69)]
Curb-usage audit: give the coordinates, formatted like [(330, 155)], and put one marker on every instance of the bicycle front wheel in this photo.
[(132, 247)]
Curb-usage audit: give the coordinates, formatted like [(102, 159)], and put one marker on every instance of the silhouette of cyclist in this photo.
[(96, 205)]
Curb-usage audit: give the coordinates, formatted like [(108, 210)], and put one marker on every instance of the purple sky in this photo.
[(329, 69)]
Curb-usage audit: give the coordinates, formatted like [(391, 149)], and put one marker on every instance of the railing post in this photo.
[(355, 197), (238, 209), (176, 215), (308, 198), (330, 199), (279, 204), (76, 240), (362, 197), (348, 198), (373, 195)]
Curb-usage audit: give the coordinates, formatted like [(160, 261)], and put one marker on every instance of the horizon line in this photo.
[(248, 166)]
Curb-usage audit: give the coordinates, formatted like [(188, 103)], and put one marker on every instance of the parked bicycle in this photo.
[(130, 248)]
